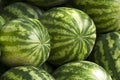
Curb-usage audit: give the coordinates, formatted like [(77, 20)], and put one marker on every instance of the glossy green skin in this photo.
[(105, 13), (72, 33), (26, 73), (106, 53), (81, 70), (20, 10), (24, 41), (46, 3)]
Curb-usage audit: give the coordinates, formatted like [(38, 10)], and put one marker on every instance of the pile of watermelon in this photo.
[(60, 40)]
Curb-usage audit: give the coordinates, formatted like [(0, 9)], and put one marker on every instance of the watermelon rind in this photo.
[(105, 13), (72, 32), (106, 53), (26, 73), (81, 70), (24, 41)]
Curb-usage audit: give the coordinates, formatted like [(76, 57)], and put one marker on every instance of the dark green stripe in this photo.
[(108, 53)]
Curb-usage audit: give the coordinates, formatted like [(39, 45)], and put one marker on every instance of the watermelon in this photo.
[(26, 73), (81, 70), (47, 3), (20, 9), (72, 32), (105, 13), (106, 53), (24, 41)]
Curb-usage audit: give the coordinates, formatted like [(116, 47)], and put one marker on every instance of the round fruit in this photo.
[(26, 73), (24, 41), (72, 32), (105, 13), (20, 10), (81, 70), (106, 53)]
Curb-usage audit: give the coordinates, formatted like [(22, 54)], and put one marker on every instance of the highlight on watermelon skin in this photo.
[(106, 53), (81, 70)]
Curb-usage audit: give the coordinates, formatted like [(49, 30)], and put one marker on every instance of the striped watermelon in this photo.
[(105, 13), (72, 33), (24, 42), (106, 53), (81, 70), (47, 3), (20, 9), (26, 73)]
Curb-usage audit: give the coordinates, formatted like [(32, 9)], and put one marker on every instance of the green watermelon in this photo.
[(26, 73), (105, 13), (81, 70), (24, 41), (72, 32), (20, 9), (47, 3), (106, 53)]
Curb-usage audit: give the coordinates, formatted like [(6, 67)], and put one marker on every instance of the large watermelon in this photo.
[(24, 42), (105, 13), (20, 9), (81, 70), (47, 3), (26, 73), (106, 53), (72, 32)]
